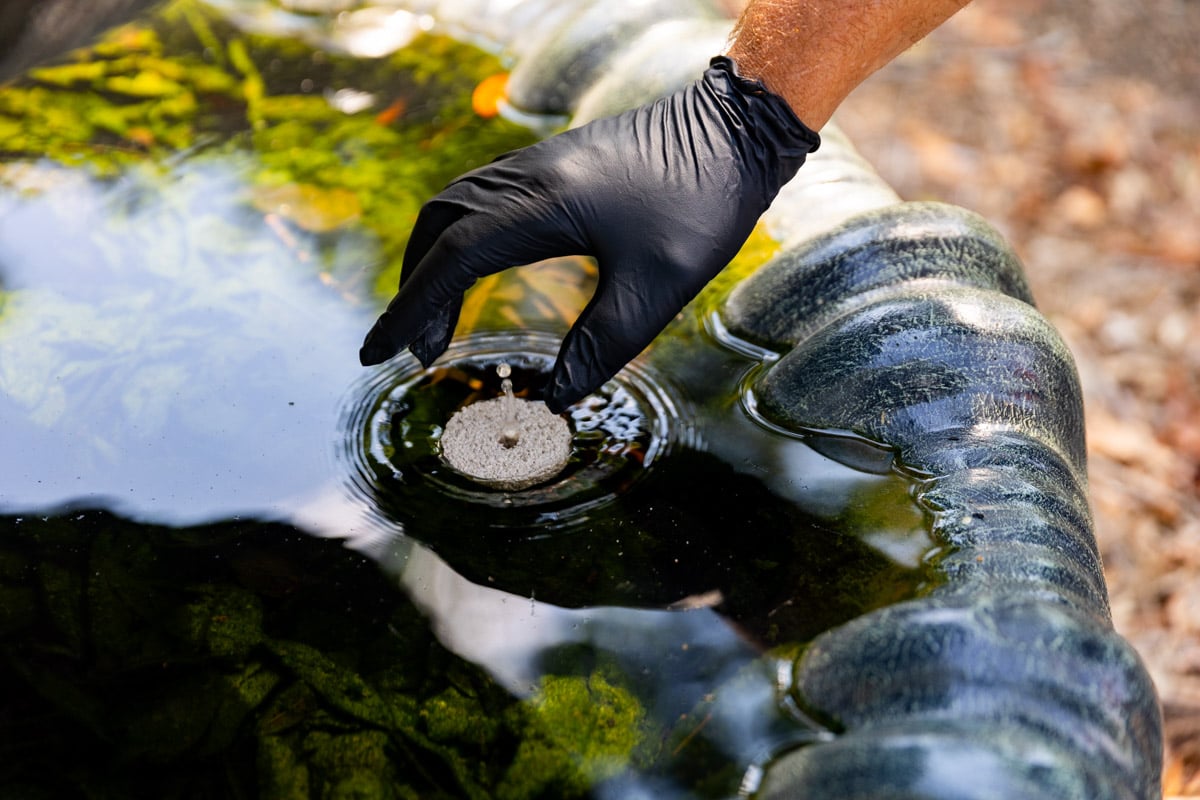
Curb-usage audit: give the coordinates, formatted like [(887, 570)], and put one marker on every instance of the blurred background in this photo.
[(1073, 127)]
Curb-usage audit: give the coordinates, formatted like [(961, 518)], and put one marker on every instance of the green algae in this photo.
[(453, 716), (757, 250), (222, 621), (580, 731), (157, 658), (339, 688), (184, 83)]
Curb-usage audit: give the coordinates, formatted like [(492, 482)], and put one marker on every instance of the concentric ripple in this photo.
[(393, 421)]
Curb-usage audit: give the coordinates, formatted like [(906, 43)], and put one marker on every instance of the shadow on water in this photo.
[(208, 507)]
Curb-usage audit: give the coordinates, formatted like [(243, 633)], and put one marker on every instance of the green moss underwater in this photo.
[(185, 84), (249, 660)]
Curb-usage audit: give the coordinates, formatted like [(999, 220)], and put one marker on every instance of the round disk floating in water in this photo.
[(482, 442)]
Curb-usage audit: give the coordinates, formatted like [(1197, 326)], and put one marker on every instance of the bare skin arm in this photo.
[(813, 53)]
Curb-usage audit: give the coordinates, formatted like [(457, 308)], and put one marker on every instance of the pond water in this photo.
[(232, 561)]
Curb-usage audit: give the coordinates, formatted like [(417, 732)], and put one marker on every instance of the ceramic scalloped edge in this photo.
[(913, 325), (556, 69), (664, 57)]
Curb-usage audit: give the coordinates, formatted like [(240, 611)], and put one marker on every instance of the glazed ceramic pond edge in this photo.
[(910, 324)]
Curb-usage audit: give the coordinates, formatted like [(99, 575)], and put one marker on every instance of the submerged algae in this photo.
[(580, 732), (185, 662), (186, 84)]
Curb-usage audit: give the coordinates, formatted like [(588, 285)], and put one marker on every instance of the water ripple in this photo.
[(392, 421)]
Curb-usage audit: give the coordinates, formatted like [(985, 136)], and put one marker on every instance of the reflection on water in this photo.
[(231, 561), (369, 32), (160, 355)]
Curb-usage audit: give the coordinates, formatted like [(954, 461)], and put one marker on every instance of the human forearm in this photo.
[(814, 52)]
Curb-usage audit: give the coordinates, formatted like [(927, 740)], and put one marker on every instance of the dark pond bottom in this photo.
[(250, 659)]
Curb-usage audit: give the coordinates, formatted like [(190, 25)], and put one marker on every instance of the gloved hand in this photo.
[(662, 196)]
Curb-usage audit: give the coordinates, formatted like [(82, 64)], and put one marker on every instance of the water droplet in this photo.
[(510, 433)]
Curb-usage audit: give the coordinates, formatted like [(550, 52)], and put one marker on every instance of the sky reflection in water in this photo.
[(158, 358)]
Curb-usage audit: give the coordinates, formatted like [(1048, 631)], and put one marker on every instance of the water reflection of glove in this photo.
[(662, 196)]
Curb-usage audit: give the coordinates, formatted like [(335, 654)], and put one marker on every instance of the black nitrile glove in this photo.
[(662, 196)]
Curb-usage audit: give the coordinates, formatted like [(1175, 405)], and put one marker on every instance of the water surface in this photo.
[(231, 560)]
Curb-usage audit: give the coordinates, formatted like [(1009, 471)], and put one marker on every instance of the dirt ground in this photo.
[(1073, 127)]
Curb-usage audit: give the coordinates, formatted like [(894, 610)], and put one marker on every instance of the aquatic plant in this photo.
[(254, 659), (336, 139)]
